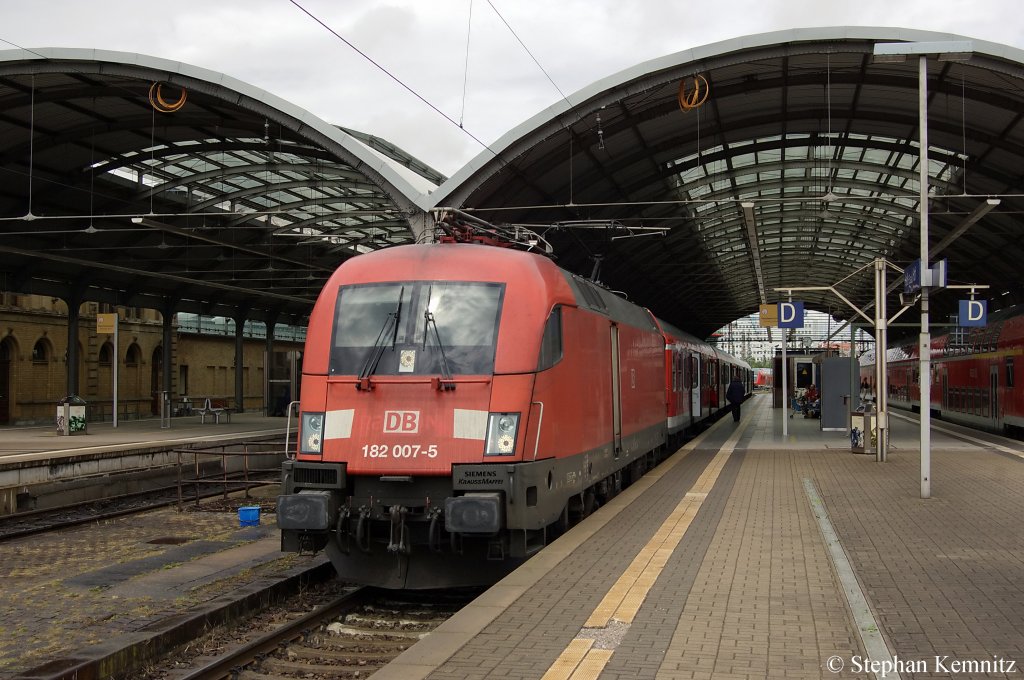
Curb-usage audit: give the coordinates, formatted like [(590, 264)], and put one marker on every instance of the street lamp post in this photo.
[(897, 52), (925, 344)]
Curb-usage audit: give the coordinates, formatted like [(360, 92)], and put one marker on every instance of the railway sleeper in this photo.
[(299, 669)]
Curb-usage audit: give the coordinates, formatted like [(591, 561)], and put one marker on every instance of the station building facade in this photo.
[(34, 350)]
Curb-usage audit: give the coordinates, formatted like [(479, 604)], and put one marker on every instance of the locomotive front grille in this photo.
[(318, 475)]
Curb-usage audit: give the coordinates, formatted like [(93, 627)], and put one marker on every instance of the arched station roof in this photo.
[(236, 202), (798, 169)]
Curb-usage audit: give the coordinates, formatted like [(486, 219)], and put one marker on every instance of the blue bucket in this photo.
[(249, 516)]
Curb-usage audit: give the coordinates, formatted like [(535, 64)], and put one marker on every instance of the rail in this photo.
[(230, 462), (227, 666)]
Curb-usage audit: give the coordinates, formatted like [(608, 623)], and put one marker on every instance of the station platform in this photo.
[(42, 469), (756, 554), (35, 442)]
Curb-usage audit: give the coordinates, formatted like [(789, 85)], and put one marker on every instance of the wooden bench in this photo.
[(215, 408)]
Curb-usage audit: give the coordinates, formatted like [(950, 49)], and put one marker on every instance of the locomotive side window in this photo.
[(551, 343), (419, 327), (1009, 371)]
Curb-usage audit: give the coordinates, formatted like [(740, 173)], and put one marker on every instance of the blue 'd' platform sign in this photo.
[(791, 315), (973, 313), (912, 277)]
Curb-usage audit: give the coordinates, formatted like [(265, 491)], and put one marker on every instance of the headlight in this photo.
[(501, 434), (311, 436)]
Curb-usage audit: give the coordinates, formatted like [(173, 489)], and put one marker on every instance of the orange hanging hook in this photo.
[(695, 98), (157, 101)]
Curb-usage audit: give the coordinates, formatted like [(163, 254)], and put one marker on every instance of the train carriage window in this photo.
[(1009, 371), (551, 343)]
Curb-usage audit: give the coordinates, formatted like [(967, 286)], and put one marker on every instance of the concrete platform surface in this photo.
[(753, 554)]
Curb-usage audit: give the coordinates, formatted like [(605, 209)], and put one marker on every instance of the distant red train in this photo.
[(974, 377), (463, 404)]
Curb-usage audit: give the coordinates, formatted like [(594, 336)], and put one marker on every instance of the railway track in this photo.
[(41, 521), (350, 637)]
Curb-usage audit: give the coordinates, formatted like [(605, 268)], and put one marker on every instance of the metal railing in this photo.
[(292, 407), (231, 470)]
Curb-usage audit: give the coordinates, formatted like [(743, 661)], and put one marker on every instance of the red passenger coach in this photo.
[(461, 404), (974, 375)]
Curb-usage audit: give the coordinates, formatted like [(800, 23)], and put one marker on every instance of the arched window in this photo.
[(132, 357), (106, 354), (41, 351)]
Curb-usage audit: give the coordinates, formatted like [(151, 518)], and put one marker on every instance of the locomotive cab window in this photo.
[(417, 327), (551, 343)]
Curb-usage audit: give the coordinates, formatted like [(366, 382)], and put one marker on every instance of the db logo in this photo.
[(403, 422)]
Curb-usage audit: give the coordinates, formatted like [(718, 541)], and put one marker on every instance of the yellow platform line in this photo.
[(624, 599), (569, 659), (592, 665)]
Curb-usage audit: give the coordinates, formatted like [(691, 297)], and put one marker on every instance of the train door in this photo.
[(945, 390), (713, 393), (616, 392), (993, 386), (695, 413)]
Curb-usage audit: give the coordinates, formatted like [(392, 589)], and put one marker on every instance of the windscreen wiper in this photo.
[(445, 383), (388, 330)]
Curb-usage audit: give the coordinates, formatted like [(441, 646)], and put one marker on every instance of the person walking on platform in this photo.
[(734, 395)]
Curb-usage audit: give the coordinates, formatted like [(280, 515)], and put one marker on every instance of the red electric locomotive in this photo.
[(974, 375), (461, 404)]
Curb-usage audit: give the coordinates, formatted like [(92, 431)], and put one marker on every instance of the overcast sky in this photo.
[(272, 44)]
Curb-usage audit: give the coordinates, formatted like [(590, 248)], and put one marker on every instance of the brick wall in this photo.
[(38, 380)]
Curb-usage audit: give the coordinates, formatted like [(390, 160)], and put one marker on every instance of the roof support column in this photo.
[(74, 302), (268, 365), (167, 379), (239, 363), (422, 225)]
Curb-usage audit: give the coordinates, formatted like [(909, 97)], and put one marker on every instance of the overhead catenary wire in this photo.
[(395, 78), (555, 85), (465, 68), (527, 49)]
